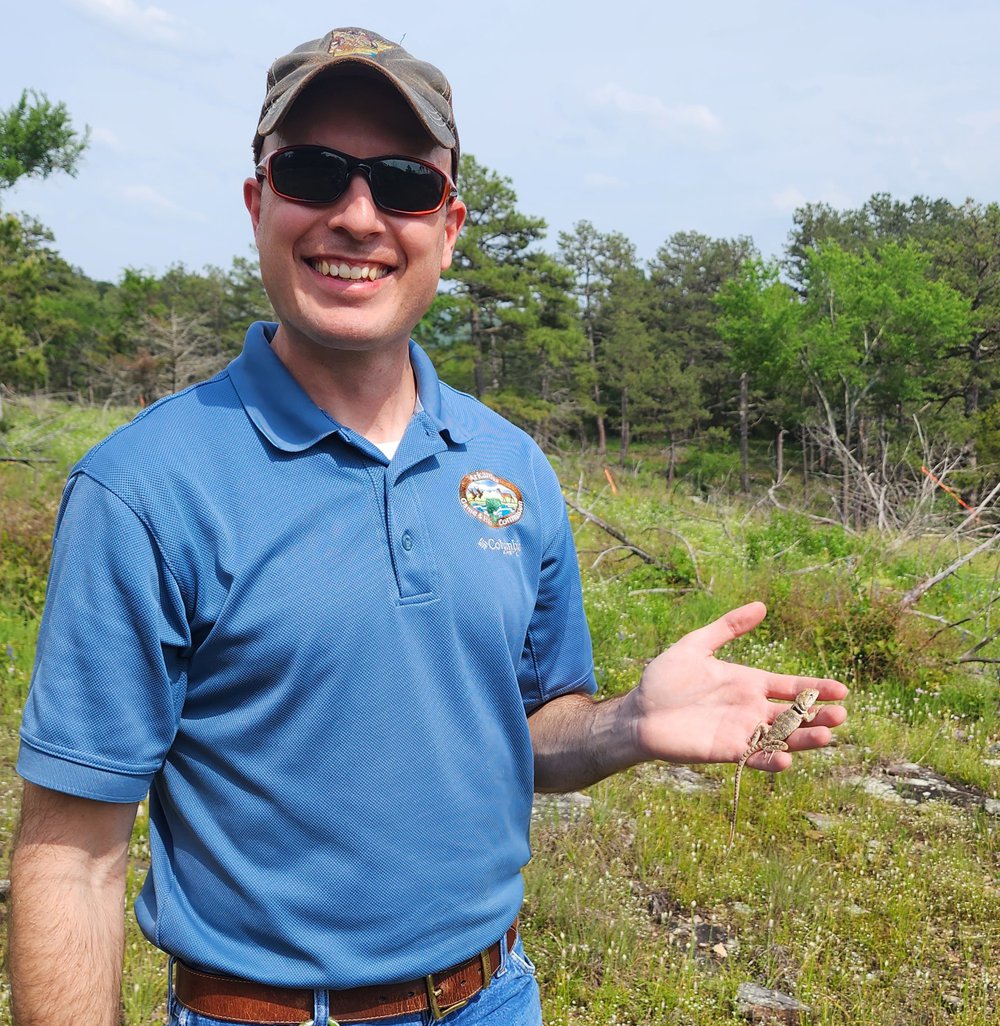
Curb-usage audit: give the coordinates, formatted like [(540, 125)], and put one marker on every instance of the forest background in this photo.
[(869, 353)]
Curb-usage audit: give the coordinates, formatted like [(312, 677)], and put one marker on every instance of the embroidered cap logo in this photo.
[(349, 41)]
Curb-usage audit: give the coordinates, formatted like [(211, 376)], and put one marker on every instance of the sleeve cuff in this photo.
[(58, 773)]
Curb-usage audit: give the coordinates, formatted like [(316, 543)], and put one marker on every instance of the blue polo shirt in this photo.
[(318, 661)]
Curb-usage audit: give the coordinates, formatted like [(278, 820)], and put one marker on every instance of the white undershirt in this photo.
[(389, 448)]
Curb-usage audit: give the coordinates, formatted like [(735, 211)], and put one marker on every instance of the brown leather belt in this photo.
[(234, 1000)]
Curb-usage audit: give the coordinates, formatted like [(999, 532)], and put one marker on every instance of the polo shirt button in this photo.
[(407, 540)]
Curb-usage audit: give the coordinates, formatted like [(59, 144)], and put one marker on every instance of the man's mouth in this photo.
[(349, 272)]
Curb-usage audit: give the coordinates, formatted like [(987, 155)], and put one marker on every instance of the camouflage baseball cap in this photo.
[(422, 86)]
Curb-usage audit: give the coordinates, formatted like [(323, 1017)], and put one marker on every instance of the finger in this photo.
[(779, 761), (804, 739), (807, 738), (784, 687), (732, 625)]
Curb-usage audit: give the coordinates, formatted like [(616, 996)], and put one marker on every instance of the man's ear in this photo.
[(454, 220), (251, 197)]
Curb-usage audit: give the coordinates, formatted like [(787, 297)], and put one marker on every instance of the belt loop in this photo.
[(170, 984), (504, 951), (321, 1008)]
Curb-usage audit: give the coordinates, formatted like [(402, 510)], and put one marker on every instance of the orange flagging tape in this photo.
[(951, 491)]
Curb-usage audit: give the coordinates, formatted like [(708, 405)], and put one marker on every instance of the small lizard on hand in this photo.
[(773, 739)]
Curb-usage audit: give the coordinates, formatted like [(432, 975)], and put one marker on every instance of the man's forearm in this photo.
[(66, 918), (578, 741), (66, 944)]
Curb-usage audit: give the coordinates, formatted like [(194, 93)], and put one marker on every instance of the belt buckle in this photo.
[(436, 1010)]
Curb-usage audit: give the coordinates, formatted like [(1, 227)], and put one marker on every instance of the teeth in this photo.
[(346, 272)]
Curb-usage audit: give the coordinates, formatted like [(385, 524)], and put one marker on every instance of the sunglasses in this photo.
[(317, 174)]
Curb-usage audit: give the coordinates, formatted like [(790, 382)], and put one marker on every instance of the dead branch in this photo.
[(981, 508), (971, 655), (690, 552), (915, 594), (663, 591), (604, 553), (810, 516), (816, 567), (616, 534), (956, 626)]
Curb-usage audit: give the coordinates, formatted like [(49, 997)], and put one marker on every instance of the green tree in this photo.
[(593, 259), (165, 332), (627, 356), (874, 326), (989, 440), (881, 219), (487, 303), (22, 360), (37, 138), (966, 255), (547, 378), (964, 244), (686, 275), (759, 319)]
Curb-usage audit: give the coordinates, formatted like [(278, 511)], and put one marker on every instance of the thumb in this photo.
[(729, 627)]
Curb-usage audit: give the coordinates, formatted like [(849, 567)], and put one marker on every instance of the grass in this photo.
[(868, 911)]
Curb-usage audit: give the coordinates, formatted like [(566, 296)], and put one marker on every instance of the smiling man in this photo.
[(326, 611)]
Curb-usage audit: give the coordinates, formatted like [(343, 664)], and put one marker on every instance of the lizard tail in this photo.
[(736, 801)]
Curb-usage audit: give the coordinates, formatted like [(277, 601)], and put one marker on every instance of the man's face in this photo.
[(302, 246)]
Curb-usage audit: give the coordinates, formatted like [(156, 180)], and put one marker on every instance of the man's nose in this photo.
[(355, 210)]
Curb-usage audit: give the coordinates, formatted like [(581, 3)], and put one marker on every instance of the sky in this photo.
[(719, 117)]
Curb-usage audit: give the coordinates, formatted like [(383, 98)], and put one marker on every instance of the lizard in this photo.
[(773, 739)]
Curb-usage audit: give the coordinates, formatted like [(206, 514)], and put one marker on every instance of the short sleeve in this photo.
[(558, 657), (110, 670)]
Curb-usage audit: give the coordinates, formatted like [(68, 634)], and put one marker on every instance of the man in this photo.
[(278, 604)]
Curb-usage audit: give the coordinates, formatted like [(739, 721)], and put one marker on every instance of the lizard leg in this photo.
[(770, 747), (759, 731)]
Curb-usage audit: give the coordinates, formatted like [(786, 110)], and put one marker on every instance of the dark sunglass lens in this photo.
[(406, 185), (309, 173)]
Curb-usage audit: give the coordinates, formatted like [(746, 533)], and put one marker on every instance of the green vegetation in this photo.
[(870, 911)]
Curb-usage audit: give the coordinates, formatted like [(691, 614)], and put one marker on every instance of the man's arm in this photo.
[(688, 707), (67, 896)]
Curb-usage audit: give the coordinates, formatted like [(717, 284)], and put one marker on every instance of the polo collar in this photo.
[(280, 409)]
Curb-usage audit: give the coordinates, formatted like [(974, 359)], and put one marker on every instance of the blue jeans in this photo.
[(510, 1000)]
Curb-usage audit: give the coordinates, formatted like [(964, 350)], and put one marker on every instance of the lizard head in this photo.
[(807, 698)]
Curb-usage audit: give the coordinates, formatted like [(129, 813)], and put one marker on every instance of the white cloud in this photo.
[(791, 198), (788, 199), (147, 196), (149, 24), (981, 121), (664, 116), (106, 137)]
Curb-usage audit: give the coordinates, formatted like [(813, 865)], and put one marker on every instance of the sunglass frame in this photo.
[(263, 172)]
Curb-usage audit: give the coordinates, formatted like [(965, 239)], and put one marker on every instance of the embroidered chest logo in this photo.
[(490, 499)]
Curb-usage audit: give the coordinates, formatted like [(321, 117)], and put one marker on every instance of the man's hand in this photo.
[(692, 707), (67, 900), (689, 707)]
